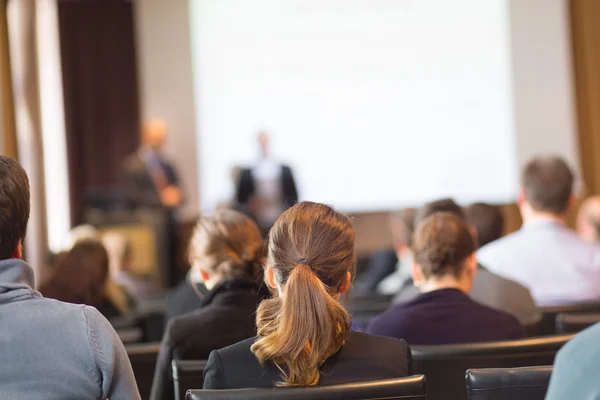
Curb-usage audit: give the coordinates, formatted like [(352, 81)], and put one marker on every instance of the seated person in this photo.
[(226, 251), (544, 255), (488, 288), (50, 350), (80, 277), (575, 373), (588, 220), (304, 336), (444, 267)]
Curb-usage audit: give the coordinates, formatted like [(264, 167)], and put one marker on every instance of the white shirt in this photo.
[(555, 264), (267, 177)]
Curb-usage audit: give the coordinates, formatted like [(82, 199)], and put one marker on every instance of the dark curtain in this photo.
[(100, 93)]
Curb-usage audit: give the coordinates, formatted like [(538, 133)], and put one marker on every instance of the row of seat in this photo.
[(529, 383), (444, 366)]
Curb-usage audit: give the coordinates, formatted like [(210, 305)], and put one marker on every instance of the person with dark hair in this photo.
[(544, 255), (304, 336), (488, 288), (444, 267), (80, 278), (50, 349), (487, 220), (226, 251)]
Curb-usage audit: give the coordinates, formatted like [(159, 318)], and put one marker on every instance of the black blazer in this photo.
[(184, 299), (363, 358), (137, 183), (247, 187), (445, 316), (226, 317)]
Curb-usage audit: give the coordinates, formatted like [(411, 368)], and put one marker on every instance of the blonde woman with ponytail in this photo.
[(304, 336)]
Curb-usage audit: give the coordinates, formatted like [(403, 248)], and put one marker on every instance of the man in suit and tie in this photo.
[(150, 182)]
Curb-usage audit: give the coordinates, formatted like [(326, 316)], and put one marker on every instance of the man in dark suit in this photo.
[(150, 182), (268, 188)]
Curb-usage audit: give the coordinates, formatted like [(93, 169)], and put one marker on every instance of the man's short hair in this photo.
[(14, 206), (487, 220), (548, 184), (442, 205)]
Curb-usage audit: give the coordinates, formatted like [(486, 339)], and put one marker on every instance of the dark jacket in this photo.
[(184, 299), (247, 186), (445, 316), (363, 358), (138, 186), (226, 317)]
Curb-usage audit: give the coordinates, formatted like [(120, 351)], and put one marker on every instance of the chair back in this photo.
[(548, 323), (143, 362), (573, 323), (527, 383), (445, 365), (410, 388), (187, 374)]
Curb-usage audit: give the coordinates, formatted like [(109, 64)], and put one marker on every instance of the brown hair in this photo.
[(442, 244), (487, 220), (311, 251), (447, 205), (80, 275), (548, 184), (228, 243)]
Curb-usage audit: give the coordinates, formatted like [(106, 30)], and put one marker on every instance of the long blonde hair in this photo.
[(311, 250), (228, 243)]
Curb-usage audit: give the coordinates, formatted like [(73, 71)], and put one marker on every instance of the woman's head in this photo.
[(444, 253), (80, 275), (310, 261), (226, 245)]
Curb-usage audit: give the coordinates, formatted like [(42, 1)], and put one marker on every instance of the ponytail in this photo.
[(299, 331)]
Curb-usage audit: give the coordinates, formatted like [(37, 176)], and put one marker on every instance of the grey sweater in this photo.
[(55, 350)]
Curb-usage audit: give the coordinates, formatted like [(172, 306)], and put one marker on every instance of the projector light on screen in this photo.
[(375, 104)]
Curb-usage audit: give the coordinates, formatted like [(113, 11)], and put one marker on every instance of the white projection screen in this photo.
[(380, 104)]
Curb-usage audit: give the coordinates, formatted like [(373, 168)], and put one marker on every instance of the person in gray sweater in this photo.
[(50, 350)]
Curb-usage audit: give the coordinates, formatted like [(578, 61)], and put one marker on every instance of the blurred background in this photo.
[(372, 106)]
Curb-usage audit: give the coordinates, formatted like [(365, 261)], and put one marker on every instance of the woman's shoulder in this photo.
[(360, 340), (238, 350)]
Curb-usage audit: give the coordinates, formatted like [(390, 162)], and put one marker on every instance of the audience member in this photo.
[(555, 264), (304, 335), (444, 267), (402, 228), (50, 349), (487, 220), (226, 251), (575, 372), (80, 278), (588, 220), (488, 288)]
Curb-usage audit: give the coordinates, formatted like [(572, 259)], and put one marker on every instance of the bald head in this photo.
[(154, 134), (588, 219)]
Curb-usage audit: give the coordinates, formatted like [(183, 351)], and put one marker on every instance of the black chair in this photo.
[(528, 383), (548, 323), (445, 366), (187, 374), (143, 362), (573, 323), (411, 388)]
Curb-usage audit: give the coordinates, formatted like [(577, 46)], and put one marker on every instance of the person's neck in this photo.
[(447, 282), (533, 216)]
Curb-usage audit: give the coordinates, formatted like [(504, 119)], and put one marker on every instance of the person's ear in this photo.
[(521, 198), (471, 268), (270, 278), (346, 283), (18, 251), (417, 274)]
